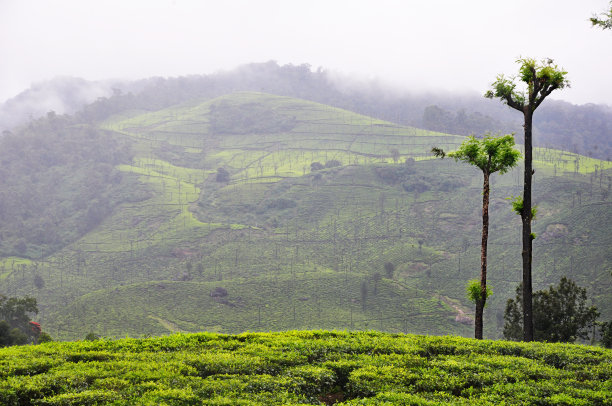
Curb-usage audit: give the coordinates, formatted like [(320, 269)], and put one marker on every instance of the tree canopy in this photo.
[(561, 314), (540, 78), (15, 326), (491, 154)]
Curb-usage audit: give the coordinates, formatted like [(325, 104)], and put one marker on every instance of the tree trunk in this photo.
[(527, 240), (480, 303)]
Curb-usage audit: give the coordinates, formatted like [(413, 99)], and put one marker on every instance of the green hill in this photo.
[(273, 242), (298, 367)]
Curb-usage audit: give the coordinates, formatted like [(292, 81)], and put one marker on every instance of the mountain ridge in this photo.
[(579, 128)]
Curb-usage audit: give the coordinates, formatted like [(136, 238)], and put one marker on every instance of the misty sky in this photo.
[(420, 45)]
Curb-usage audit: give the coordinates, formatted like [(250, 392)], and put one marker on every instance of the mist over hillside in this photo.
[(584, 129), (62, 95)]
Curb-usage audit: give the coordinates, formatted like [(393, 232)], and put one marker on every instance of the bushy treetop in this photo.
[(541, 79), (491, 154)]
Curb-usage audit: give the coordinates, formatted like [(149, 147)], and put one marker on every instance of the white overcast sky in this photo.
[(425, 44)]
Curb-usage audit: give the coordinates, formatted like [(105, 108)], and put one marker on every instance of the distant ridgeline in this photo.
[(252, 211), (584, 129)]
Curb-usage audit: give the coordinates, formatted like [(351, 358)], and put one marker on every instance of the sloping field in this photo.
[(301, 246)]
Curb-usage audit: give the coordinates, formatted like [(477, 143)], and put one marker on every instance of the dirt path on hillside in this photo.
[(461, 316)]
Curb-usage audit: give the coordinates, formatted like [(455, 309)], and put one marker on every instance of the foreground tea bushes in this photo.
[(304, 367)]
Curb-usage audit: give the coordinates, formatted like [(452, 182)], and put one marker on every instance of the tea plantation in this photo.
[(304, 367), (304, 215)]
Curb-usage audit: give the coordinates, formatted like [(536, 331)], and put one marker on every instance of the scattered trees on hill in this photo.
[(218, 292), (560, 314), (389, 269), (316, 166), (413, 181), (439, 119), (364, 294), (541, 79), (11, 336), (222, 176), (332, 163), (58, 180), (16, 328), (248, 118), (605, 330), (377, 277), (395, 154), (39, 282), (490, 155)]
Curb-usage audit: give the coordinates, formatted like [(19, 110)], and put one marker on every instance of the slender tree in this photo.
[(490, 154), (540, 80)]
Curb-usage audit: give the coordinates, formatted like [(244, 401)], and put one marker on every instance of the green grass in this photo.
[(304, 367)]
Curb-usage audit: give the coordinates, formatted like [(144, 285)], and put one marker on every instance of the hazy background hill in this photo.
[(62, 95), (253, 211), (584, 129)]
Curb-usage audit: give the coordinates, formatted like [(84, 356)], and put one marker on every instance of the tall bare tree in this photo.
[(539, 79)]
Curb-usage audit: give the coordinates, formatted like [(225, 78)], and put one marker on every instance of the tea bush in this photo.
[(304, 367)]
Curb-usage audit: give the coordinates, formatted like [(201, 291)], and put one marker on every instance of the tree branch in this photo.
[(513, 103), (534, 86), (543, 94)]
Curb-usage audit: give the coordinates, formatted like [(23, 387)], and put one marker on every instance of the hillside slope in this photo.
[(295, 229)]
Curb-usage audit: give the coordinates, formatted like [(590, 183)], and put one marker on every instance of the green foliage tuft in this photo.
[(491, 154), (474, 291), (517, 206), (539, 78)]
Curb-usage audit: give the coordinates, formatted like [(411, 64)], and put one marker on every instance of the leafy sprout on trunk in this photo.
[(517, 206), (474, 293)]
